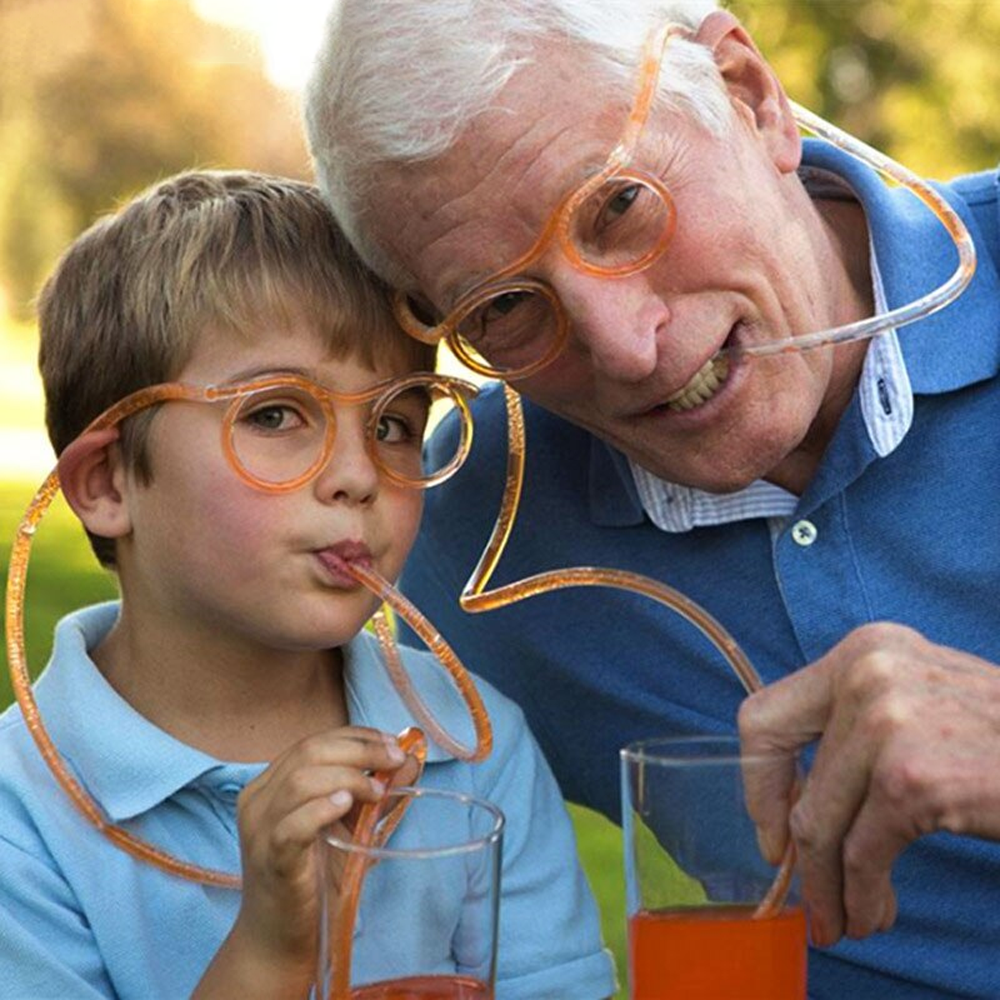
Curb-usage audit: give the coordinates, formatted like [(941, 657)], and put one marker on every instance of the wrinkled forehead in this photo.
[(452, 220)]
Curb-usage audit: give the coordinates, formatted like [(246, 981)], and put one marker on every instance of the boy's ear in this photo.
[(92, 478), (753, 87)]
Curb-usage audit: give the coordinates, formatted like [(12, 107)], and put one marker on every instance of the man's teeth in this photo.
[(702, 387)]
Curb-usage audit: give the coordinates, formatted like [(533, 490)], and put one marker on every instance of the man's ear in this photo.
[(92, 478), (755, 91)]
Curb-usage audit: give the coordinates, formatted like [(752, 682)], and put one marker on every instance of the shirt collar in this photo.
[(915, 254), (129, 765)]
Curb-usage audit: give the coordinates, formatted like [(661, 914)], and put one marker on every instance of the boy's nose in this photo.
[(615, 322), (350, 475)]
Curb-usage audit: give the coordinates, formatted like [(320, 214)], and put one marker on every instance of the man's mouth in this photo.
[(703, 386)]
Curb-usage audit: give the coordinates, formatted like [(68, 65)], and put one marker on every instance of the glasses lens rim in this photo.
[(445, 388), (658, 246), (470, 356), (230, 430)]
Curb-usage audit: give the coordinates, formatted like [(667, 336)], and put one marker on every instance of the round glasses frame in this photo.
[(559, 229), (459, 391)]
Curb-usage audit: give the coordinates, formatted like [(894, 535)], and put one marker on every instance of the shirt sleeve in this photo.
[(47, 951), (549, 934)]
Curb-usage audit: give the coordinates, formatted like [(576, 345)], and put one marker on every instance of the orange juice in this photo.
[(717, 953), (425, 988)]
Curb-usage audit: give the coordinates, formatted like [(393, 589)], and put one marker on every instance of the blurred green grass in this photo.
[(64, 575)]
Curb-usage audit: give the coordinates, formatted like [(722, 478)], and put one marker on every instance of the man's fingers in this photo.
[(791, 712), (774, 724), (880, 833), (770, 782)]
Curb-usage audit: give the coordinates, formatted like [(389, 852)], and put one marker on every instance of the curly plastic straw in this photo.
[(134, 845), (476, 598), (445, 655), (367, 833)]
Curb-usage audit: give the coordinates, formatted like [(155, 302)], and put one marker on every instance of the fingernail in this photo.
[(396, 754), (818, 933), (377, 787), (341, 798), (769, 845)]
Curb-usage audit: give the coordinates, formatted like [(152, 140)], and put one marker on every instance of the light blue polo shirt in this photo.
[(81, 919)]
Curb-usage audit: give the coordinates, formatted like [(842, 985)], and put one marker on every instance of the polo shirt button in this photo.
[(230, 789), (804, 533)]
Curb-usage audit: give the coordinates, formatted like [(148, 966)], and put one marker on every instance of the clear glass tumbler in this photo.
[(415, 919), (705, 918)]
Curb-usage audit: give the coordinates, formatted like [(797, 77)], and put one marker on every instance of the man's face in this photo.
[(750, 261)]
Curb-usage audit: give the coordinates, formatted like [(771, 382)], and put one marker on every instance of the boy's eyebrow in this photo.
[(261, 371)]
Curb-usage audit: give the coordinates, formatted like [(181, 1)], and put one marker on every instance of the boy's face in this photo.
[(209, 552)]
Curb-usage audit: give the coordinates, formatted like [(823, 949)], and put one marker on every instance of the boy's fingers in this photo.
[(355, 747), (408, 773), (309, 783), (296, 833)]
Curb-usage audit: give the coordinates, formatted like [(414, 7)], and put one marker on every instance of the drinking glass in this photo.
[(416, 918), (703, 921)]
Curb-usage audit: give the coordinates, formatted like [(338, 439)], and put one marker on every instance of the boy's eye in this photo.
[(393, 430), (275, 417)]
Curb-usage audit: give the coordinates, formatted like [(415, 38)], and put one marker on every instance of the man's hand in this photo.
[(909, 744)]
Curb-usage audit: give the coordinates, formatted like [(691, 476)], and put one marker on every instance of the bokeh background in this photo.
[(99, 98)]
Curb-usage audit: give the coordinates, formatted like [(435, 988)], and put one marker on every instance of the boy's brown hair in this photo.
[(227, 250)]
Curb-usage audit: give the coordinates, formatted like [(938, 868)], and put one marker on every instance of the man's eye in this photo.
[(619, 203), (505, 304)]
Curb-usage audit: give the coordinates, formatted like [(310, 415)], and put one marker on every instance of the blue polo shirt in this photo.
[(911, 537), (81, 919)]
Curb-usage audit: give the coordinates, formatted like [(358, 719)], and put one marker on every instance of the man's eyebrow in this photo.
[(469, 283), (580, 174)]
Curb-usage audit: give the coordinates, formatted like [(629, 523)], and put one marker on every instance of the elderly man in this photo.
[(834, 509)]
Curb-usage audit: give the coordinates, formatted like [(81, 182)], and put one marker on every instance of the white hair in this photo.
[(396, 81)]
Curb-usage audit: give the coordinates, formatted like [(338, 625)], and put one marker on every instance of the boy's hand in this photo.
[(316, 783)]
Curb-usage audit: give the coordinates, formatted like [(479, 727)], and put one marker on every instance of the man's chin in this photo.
[(708, 480)]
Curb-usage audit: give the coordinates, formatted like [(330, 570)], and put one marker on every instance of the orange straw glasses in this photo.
[(277, 434), (620, 222)]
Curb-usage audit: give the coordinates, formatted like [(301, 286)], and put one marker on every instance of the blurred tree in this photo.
[(133, 91), (918, 79), (100, 97)]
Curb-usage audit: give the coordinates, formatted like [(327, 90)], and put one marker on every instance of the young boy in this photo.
[(230, 706)]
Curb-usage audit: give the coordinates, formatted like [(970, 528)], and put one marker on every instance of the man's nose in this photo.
[(350, 474), (616, 322)]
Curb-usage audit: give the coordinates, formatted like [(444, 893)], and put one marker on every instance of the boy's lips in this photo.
[(336, 559)]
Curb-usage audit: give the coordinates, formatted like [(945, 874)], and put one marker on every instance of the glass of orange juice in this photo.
[(707, 919), (414, 918)]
